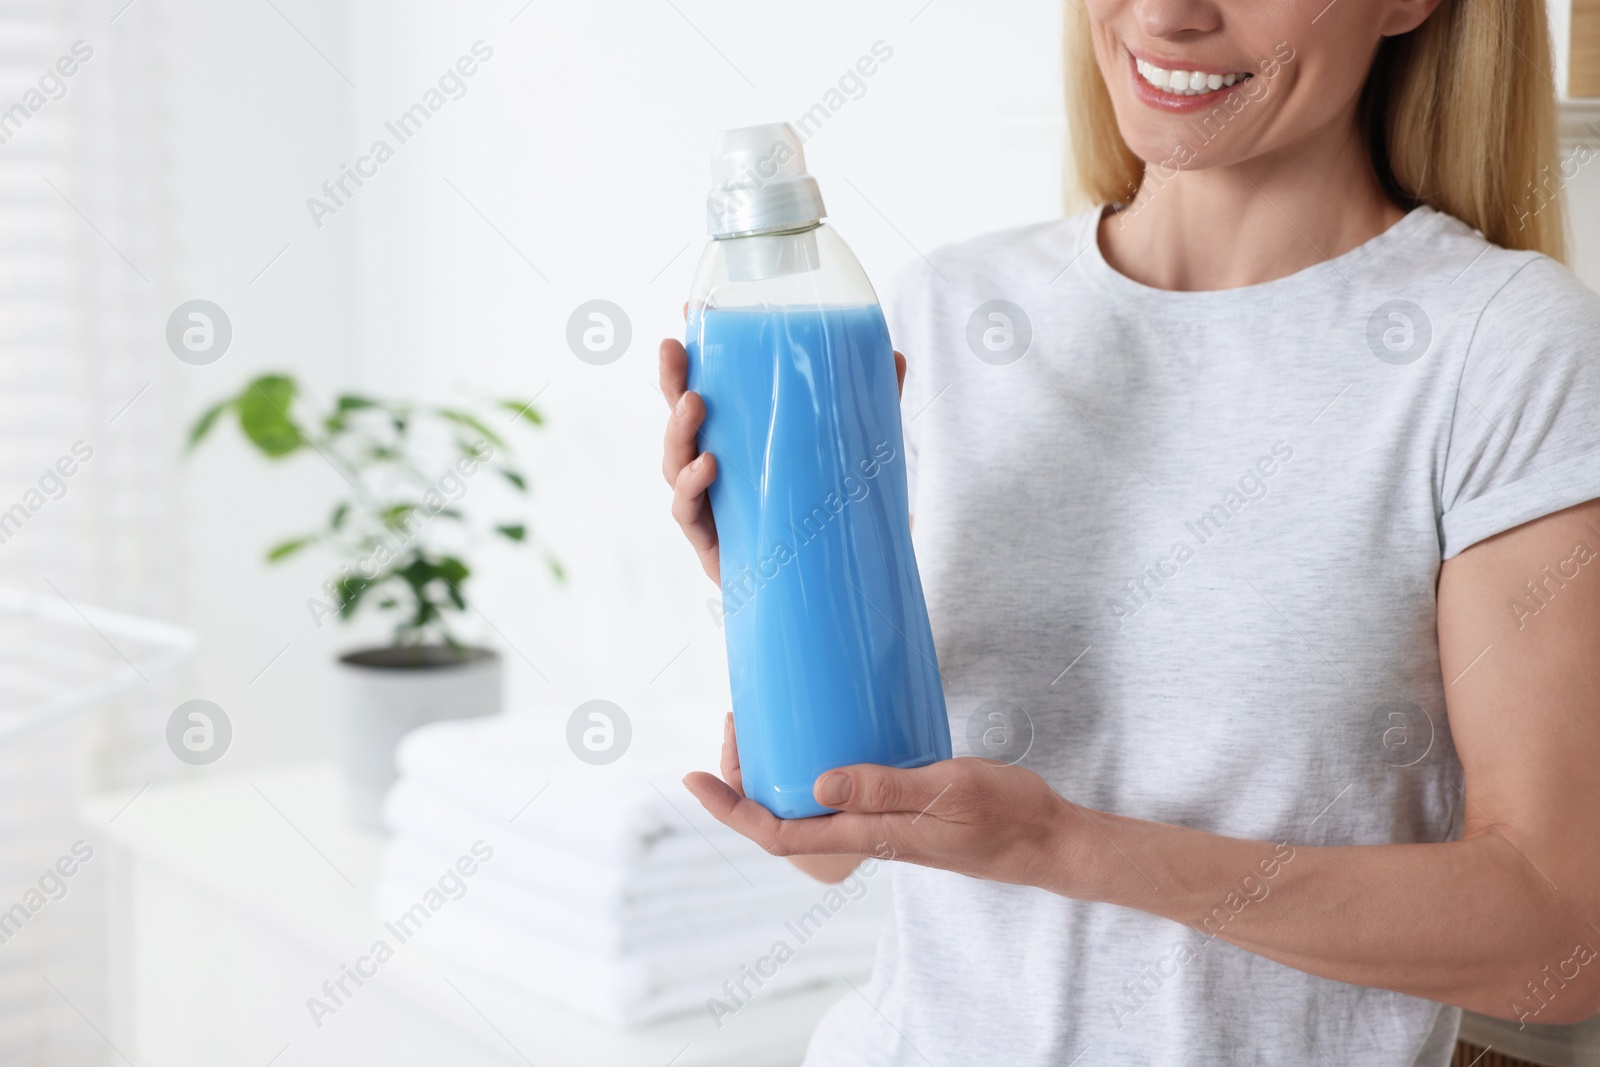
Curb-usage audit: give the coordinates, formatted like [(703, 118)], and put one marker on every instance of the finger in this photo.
[(900, 372), (844, 834), (691, 509), (680, 444), (871, 788), (731, 808), (756, 822), (674, 369), (730, 756), (715, 795)]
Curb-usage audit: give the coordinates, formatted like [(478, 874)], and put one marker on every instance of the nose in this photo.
[(1176, 19)]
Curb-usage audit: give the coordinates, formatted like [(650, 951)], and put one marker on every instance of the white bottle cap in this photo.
[(759, 183)]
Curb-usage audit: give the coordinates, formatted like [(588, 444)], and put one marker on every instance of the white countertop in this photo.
[(273, 848)]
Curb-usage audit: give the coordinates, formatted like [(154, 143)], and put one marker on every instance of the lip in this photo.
[(1149, 95)]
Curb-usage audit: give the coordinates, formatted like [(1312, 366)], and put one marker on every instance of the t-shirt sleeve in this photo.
[(906, 311), (1525, 437)]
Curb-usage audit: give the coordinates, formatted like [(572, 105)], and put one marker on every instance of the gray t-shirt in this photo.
[(1182, 549)]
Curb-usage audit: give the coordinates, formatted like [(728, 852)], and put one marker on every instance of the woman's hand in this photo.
[(974, 816), (689, 471), (822, 868)]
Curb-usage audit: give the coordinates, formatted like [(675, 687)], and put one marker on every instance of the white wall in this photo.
[(252, 113), (1583, 216)]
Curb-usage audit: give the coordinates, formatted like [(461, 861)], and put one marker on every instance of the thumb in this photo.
[(870, 788)]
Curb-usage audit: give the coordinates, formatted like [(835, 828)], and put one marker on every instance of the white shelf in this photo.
[(235, 918)]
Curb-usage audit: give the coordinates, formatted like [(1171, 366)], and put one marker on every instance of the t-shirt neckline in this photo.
[(1338, 270)]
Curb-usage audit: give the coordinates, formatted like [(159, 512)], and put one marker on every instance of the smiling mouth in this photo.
[(1186, 82)]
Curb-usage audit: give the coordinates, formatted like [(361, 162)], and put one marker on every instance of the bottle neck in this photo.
[(785, 232), (772, 255)]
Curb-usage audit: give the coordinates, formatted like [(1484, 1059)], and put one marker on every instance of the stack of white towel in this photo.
[(605, 888)]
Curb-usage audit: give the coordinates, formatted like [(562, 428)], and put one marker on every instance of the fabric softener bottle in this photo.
[(830, 654)]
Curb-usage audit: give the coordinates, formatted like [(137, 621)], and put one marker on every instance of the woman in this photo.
[(1280, 535)]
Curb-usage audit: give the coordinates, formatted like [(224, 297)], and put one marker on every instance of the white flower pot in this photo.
[(385, 693)]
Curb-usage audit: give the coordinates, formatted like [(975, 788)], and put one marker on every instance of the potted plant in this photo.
[(399, 535)]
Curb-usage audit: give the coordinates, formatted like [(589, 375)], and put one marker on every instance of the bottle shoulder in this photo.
[(806, 268)]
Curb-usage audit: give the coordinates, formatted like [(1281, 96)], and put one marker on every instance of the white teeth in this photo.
[(1185, 82)]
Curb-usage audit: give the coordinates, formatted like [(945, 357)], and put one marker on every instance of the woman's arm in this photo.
[(1505, 921)]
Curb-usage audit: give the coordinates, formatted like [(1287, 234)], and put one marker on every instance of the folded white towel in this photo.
[(648, 986), (410, 867), (518, 768), (677, 864), (609, 889), (430, 805)]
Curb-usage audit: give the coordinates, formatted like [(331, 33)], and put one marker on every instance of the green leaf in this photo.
[(556, 569), (350, 590), (453, 570), (395, 515), (264, 415), (514, 478), (285, 549), (513, 531), (205, 422), (351, 402), (336, 521), (418, 573), (525, 411), (462, 418)]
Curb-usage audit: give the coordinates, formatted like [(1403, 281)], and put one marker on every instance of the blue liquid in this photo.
[(829, 651)]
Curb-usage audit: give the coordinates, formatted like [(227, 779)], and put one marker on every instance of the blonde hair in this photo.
[(1459, 114)]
